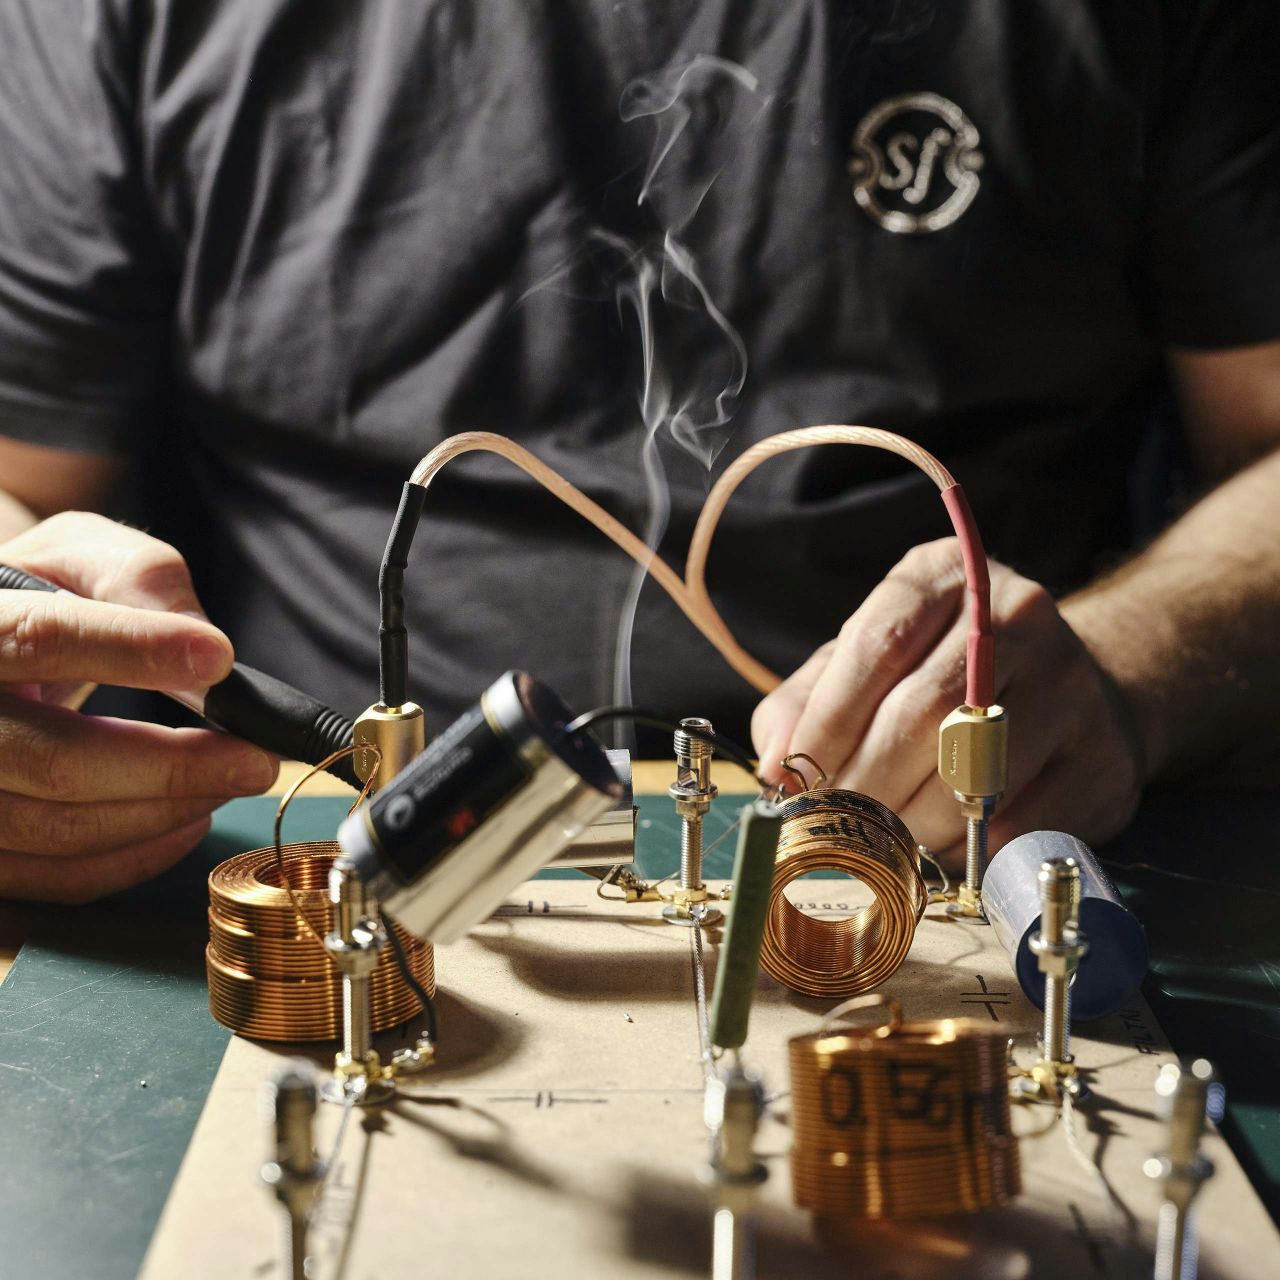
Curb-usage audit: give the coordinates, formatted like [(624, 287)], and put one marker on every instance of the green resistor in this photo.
[(739, 959)]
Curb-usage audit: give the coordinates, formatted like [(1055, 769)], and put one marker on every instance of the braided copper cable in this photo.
[(268, 976), (850, 834), (690, 593), (906, 1120)]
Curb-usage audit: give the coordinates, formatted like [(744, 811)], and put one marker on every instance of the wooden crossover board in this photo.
[(561, 1134)]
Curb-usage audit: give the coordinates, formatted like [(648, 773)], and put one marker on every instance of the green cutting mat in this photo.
[(107, 1049), (106, 997)]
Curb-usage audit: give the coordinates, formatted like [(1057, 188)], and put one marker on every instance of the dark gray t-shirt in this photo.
[(288, 245)]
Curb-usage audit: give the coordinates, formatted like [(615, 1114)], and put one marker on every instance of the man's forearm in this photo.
[(15, 517), (37, 481), (1190, 629)]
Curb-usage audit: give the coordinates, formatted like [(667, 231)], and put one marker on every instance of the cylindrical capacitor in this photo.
[(739, 960), (1117, 959), (489, 803), (609, 841)]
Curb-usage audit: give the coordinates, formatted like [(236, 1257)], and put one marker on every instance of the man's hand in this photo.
[(90, 805), (867, 707)]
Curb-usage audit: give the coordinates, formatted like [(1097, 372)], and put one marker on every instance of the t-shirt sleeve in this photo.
[(1212, 210), (85, 294)]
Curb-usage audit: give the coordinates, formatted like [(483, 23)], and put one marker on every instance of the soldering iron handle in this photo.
[(280, 718), (252, 705), (12, 579)]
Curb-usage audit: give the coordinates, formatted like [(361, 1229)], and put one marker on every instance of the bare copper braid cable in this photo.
[(267, 976), (851, 834), (690, 593), (904, 1120)]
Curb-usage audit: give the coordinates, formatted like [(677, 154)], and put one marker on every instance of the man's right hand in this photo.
[(88, 804)]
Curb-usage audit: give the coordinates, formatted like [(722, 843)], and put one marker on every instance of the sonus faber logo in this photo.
[(915, 163)]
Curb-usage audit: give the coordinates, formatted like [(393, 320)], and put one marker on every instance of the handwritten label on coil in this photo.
[(909, 1093)]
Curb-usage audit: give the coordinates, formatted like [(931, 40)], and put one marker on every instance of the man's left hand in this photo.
[(867, 705)]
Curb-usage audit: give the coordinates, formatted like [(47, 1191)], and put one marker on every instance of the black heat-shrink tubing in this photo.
[(253, 705)]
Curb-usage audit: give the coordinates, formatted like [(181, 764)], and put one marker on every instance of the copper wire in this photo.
[(820, 774), (850, 834), (268, 976), (287, 799), (690, 593), (903, 1120)]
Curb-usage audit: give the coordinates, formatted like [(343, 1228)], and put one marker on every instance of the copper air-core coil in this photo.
[(847, 833), (268, 975), (906, 1120)]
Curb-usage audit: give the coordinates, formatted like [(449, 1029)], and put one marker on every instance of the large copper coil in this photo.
[(847, 833), (903, 1120), (269, 977)]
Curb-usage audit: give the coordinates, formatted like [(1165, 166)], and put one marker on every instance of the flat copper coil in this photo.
[(269, 978)]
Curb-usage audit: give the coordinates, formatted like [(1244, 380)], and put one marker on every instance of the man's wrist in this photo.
[(1130, 655)]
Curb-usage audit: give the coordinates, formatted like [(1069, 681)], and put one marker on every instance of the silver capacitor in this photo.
[(610, 840), (490, 802), (1117, 960)]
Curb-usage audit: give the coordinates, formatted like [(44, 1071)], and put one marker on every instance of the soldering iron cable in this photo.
[(690, 593)]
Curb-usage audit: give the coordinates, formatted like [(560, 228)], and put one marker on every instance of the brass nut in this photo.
[(692, 804), (968, 903), (685, 897), (356, 959), (1061, 959), (345, 1067)]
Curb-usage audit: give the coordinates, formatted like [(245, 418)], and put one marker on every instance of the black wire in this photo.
[(639, 716), (393, 636), (428, 1005)]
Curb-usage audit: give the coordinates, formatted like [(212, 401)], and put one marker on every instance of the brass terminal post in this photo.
[(1059, 947), (295, 1174), (973, 760), (732, 1107), (693, 791), (354, 943), (1184, 1097), (399, 733)]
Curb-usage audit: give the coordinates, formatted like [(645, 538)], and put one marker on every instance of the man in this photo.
[(280, 248)]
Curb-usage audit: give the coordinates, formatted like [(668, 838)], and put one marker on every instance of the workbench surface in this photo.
[(107, 998)]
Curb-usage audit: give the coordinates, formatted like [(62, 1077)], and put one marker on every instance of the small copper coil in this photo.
[(906, 1120), (268, 976), (849, 833)]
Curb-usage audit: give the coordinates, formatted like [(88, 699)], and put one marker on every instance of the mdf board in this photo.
[(560, 1132)]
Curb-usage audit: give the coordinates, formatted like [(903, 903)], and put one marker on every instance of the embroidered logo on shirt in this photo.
[(915, 163)]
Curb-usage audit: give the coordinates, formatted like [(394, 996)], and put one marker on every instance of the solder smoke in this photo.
[(696, 110)]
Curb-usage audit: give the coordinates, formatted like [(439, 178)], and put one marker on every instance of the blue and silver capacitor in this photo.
[(1116, 961)]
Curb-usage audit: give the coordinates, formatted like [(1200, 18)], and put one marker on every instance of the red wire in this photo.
[(980, 647)]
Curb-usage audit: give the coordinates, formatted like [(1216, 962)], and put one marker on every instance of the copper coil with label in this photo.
[(850, 834), (269, 976), (901, 1120)]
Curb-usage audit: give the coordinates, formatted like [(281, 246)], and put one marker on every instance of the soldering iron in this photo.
[(249, 704)]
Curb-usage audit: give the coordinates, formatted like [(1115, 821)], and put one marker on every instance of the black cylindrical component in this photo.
[(488, 803), (280, 718), (12, 579), (393, 636)]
